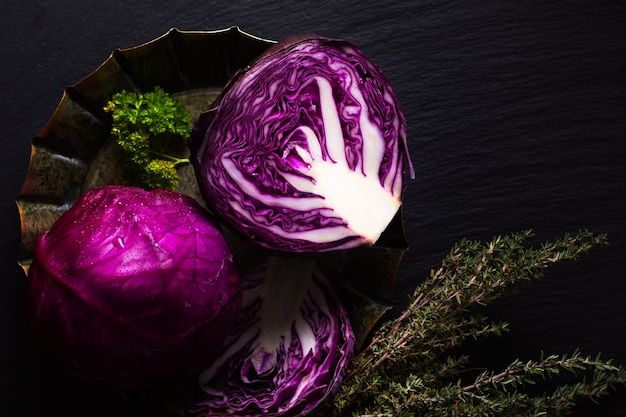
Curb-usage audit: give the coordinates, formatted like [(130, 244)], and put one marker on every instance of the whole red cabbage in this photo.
[(131, 288), (305, 149)]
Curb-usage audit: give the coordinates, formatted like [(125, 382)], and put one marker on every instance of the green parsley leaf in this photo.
[(146, 127)]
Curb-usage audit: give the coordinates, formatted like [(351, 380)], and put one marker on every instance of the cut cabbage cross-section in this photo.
[(305, 150), (290, 348)]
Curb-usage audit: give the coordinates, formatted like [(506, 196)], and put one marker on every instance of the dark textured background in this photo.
[(517, 119)]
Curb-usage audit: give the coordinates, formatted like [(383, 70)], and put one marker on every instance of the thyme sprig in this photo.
[(408, 368)]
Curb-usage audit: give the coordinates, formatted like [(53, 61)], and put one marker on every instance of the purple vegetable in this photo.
[(131, 288), (305, 149), (291, 346)]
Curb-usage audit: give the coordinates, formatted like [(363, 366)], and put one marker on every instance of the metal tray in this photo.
[(73, 154)]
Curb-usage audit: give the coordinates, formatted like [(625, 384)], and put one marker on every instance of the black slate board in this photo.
[(517, 119)]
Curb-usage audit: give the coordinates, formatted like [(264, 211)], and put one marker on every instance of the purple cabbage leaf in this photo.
[(132, 288)]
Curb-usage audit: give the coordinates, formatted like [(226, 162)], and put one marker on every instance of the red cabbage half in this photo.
[(290, 348), (304, 150), (131, 288)]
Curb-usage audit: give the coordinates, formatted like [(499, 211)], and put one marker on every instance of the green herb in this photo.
[(149, 130), (413, 365)]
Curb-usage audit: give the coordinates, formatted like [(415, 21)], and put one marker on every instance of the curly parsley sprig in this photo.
[(146, 127)]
